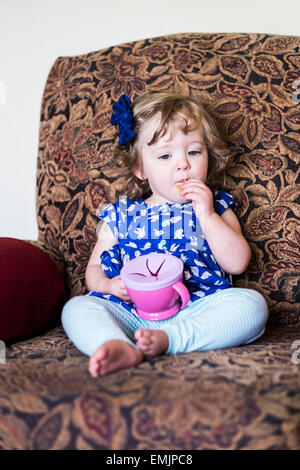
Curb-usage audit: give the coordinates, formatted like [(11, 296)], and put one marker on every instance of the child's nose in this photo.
[(183, 164)]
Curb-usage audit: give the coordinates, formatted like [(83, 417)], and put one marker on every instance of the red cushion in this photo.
[(32, 290)]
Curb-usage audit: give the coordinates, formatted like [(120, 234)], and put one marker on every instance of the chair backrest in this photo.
[(251, 83)]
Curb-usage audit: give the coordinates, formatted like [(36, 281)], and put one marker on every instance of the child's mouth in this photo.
[(180, 183)]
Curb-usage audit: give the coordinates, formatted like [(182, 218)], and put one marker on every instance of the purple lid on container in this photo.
[(152, 271)]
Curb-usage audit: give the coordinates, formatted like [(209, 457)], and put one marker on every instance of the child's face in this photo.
[(172, 158)]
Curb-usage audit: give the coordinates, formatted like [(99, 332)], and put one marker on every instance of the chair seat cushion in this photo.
[(241, 398), (32, 290)]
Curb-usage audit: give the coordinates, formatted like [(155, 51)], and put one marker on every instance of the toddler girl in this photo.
[(173, 158)]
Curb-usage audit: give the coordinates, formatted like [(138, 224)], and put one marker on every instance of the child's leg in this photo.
[(226, 319), (89, 322)]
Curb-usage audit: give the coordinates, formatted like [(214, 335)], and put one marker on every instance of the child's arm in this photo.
[(223, 233), (227, 243), (95, 277)]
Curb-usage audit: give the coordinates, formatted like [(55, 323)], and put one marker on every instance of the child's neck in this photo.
[(157, 201)]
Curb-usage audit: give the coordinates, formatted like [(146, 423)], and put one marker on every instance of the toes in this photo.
[(95, 361), (101, 354), (94, 369), (144, 343), (147, 333), (153, 343), (143, 336), (138, 334), (143, 332)]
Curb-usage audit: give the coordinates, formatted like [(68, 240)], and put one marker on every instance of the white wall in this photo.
[(33, 33)]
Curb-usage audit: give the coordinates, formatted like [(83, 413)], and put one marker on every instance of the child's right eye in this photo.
[(164, 157)]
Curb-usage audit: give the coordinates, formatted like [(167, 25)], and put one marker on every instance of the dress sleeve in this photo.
[(109, 214), (223, 200)]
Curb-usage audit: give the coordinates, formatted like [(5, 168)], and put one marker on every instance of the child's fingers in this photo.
[(124, 294), (194, 194), (197, 191), (126, 298), (193, 182), (194, 187), (120, 289)]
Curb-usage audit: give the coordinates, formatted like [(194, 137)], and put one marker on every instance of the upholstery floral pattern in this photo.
[(248, 83), (240, 398)]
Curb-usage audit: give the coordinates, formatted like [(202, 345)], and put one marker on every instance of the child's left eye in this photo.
[(193, 152)]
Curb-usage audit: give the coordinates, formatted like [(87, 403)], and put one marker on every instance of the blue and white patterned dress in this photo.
[(167, 228)]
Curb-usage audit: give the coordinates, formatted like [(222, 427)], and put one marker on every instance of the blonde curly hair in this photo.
[(128, 157)]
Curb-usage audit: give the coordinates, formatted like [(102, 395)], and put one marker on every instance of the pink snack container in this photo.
[(154, 284)]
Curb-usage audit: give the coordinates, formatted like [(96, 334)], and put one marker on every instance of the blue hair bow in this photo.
[(123, 117)]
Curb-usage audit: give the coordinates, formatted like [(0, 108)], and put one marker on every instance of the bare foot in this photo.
[(112, 356), (152, 342)]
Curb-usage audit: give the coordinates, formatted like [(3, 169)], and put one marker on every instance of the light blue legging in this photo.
[(228, 318)]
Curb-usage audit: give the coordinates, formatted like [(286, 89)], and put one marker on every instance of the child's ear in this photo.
[(138, 172)]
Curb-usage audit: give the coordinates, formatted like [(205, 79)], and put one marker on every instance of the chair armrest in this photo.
[(56, 258), (32, 290)]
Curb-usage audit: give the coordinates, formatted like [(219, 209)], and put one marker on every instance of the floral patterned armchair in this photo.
[(240, 398)]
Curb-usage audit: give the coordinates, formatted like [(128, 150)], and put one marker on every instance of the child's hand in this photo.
[(117, 287), (201, 197)]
